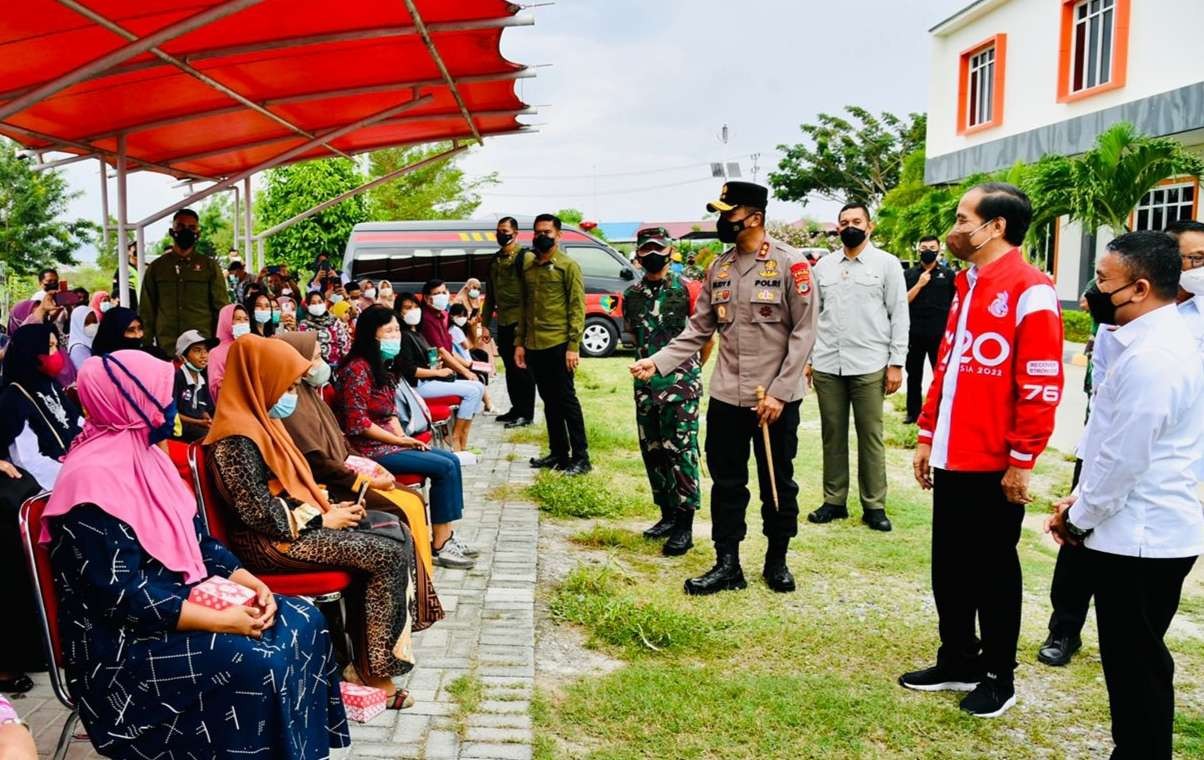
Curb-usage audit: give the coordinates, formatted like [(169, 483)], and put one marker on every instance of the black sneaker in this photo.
[(993, 697), (827, 513), (551, 461), (1057, 650), (507, 417), (940, 678)]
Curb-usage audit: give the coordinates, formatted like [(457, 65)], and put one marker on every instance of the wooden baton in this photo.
[(773, 481)]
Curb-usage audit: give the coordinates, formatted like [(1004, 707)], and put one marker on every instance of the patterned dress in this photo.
[(382, 609), (146, 690)]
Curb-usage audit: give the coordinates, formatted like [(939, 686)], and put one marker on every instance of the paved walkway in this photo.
[(488, 635)]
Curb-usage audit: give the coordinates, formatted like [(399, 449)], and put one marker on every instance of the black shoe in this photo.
[(993, 697), (941, 678), (877, 520), (827, 513), (507, 417), (579, 467), (726, 575), (1057, 650), (681, 539), (662, 528), (549, 462), (778, 578), (518, 422), (910, 420)]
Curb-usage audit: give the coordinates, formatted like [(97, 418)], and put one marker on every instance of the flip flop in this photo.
[(399, 700), (18, 685)]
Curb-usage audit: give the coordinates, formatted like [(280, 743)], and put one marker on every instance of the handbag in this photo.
[(383, 524)]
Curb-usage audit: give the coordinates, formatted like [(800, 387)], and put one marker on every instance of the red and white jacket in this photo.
[(1003, 342)]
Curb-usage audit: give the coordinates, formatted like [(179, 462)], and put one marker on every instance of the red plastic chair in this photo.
[(47, 602), (443, 410)]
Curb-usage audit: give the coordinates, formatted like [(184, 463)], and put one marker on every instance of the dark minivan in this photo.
[(408, 254)]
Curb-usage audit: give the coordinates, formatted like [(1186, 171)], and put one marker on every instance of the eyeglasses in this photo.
[(1193, 260)]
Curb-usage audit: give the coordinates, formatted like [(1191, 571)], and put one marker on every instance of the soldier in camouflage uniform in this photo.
[(656, 309)]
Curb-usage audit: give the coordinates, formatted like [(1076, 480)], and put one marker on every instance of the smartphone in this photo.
[(288, 307), (63, 286), (67, 298), (363, 492), (274, 269)]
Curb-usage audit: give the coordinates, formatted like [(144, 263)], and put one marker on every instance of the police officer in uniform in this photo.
[(758, 295), (655, 310), (503, 296)]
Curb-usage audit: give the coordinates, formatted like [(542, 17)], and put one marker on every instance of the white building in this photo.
[(1013, 80)]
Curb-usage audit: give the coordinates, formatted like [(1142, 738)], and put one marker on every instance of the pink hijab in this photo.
[(94, 303), (217, 356), (112, 465)]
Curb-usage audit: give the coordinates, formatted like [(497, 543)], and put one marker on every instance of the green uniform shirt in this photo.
[(504, 291), (553, 310), (656, 313), (181, 293)]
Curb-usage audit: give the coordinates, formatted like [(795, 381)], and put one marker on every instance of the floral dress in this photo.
[(146, 689), (333, 339)]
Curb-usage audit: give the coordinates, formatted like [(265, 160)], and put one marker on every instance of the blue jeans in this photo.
[(443, 468), (470, 392)]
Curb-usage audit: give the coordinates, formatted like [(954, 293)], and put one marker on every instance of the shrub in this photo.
[(1077, 325)]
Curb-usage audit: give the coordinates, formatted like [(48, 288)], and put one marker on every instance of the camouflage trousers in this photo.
[(669, 444)]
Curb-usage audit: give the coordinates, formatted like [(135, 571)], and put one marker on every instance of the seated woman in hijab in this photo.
[(121, 329), (233, 322), (84, 324), (316, 433), (156, 674), (284, 520), (38, 420)]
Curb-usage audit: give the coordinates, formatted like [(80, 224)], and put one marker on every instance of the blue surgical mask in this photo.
[(390, 348), (440, 301), (192, 366), (319, 375), (240, 329), (105, 306), (263, 316), (284, 407)]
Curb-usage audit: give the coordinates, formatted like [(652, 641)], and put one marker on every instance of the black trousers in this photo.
[(1071, 588), (1135, 599), (730, 430), (976, 570), (919, 347), (562, 410), (520, 386)]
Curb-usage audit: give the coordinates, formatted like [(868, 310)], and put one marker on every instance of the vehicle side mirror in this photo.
[(627, 274)]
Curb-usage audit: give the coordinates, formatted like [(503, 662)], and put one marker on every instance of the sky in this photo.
[(633, 94)]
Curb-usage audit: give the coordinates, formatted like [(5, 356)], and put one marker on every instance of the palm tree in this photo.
[(1101, 187)]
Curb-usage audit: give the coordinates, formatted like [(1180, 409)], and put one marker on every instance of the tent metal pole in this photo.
[(124, 53), (141, 254), (286, 155), (123, 269), (60, 162), (60, 143), (361, 189), (104, 203), (249, 253), (234, 225), (425, 34)]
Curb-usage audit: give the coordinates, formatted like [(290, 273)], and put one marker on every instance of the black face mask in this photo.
[(543, 243), (852, 237), (50, 287), (654, 262), (504, 239), (185, 238), (928, 256), (729, 230), (1100, 304)]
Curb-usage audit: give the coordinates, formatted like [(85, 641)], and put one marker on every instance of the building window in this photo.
[(1165, 204), (1094, 47), (980, 86)]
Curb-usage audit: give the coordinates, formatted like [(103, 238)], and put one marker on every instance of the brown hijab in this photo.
[(258, 372), (313, 426)]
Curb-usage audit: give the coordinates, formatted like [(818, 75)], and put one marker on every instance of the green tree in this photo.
[(439, 190), (1101, 187), (289, 190), (570, 216), (844, 159), (33, 231)]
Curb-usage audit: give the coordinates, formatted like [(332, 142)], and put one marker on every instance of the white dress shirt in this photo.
[(1144, 443), (864, 317)]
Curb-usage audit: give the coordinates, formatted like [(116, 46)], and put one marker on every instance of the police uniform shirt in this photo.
[(929, 310), (764, 307)]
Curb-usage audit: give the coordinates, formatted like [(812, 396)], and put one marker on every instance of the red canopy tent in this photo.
[(220, 89)]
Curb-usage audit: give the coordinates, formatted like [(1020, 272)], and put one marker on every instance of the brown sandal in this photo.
[(399, 700)]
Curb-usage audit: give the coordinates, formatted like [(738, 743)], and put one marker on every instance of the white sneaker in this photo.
[(451, 556), (466, 457), (465, 549)]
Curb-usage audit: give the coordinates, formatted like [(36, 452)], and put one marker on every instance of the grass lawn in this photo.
[(755, 674)]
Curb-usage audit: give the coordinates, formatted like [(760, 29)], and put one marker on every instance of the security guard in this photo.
[(760, 298), (655, 310), (503, 295), (183, 289)]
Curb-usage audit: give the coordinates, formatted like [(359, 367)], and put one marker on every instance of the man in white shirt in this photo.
[(1135, 510), (860, 349)]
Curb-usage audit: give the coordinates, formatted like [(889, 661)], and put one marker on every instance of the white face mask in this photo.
[(316, 309), (239, 329), (474, 294), (105, 306), (460, 321), (440, 300), (90, 330), (412, 317), (370, 293), (1192, 281)]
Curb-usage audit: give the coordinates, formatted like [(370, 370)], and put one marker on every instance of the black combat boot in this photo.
[(777, 575), (681, 540), (662, 527), (726, 575)]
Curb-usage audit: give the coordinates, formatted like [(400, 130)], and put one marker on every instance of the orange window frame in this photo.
[(1186, 179), (1120, 52), (1000, 43)]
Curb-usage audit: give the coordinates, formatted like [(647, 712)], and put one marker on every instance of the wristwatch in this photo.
[(1075, 531)]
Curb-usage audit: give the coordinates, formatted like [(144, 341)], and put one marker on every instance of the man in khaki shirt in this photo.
[(758, 295)]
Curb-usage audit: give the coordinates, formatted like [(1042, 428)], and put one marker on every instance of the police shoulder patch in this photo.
[(800, 272)]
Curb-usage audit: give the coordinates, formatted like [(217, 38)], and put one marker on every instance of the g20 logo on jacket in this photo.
[(981, 354)]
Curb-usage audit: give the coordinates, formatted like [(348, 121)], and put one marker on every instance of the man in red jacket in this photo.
[(989, 413)]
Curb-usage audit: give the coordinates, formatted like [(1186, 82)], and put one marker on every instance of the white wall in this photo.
[(1070, 246), (1164, 54)]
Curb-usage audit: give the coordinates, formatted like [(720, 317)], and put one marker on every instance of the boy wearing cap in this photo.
[(759, 297), (193, 402), (656, 310)]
